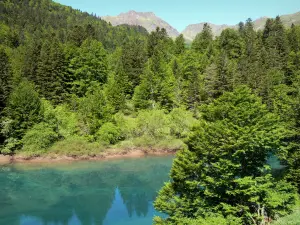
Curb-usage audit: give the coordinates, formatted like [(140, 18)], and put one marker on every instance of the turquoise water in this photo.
[(83, 193)]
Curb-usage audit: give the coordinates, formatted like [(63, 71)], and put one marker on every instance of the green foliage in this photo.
[(93, 110), (61, 119), (51, 69), (179, 45), (154, 128), (157, 86), (226, 156), (231, 42), (5, 78), (153, 124), (192, 80), (203, 41), (209, 220), (108, 133), (88, 67), (122, 86), (181, 122), (24, 109), (134, 56), (40, 137), (76, 146)]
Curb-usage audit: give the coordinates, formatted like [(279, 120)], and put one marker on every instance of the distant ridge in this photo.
[(150, 21), (192, 30)]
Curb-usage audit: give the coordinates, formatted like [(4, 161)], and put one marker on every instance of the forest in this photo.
[(72, 84)]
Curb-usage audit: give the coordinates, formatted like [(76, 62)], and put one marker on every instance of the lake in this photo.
[(82, 193), (118, 192)]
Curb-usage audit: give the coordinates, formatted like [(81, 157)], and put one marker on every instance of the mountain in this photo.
[(146, 19), (192, 30), (150, 21)]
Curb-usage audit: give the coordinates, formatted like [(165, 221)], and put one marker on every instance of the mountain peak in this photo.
[(146, 19)]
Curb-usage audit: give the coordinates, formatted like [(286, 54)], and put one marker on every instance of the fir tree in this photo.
[(51, 71), (203, 40), (5, 78), (179, 45)]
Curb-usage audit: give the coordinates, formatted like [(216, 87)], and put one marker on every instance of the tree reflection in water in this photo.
[(86, 193)]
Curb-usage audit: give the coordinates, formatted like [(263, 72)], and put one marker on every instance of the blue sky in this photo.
[(180, 13)]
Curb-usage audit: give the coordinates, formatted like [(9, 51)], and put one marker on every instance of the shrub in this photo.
[(108, 133), (209, 220), (127, 125), (40, 136), (152, 123), (181, 122), (67, 121)]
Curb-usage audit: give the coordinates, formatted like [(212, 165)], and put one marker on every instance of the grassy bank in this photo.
[(79, 148), (293, 219)]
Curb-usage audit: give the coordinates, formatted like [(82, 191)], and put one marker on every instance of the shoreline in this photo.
[(108, 155)]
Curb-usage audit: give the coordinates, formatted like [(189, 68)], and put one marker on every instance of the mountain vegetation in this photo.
[(72, 84)]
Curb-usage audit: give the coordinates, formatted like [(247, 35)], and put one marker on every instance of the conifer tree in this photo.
[(179, 45), (51, 71), (294, 38), (157, 37), (134, 56), (116, 88), (231, 43), (275, 40), (152, 93), (192, 82), (203, 40), (5, 78)]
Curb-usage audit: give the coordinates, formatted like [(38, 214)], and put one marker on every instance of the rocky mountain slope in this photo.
[(192, 30), (150, 21), (146, 19)]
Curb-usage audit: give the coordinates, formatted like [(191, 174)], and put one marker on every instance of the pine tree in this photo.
[(179, 45), (116, 88), (230, 41), (157, 37), (152, 93), (33, 47), (203, 40), (134, 57), (192, 82), (294, 38), (251, 57), (51, 71), (275, 41), (77, 35), (5, 78), (221, 76)]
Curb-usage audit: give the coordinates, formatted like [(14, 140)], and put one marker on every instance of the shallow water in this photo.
[(82, 193)]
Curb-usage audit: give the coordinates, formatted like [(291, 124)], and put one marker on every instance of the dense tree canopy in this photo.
[(227, 155), (88, 85)]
